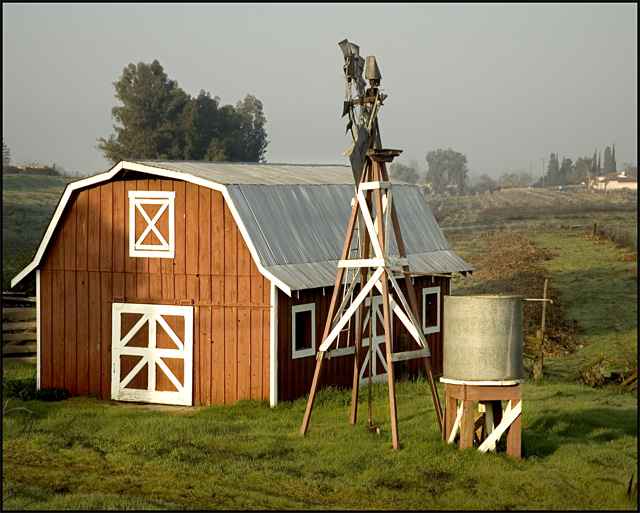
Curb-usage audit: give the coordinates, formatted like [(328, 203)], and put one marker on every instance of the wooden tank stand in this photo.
[(492, 421)]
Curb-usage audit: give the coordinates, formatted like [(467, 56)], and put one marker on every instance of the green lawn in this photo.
[(579, 452)]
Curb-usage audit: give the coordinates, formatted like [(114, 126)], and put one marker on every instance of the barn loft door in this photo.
[(378, 352), (152, 353)]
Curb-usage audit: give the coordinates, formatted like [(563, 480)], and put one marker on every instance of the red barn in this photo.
[(205, 283)]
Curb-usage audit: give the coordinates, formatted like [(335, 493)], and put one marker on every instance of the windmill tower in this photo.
[(365, 262)]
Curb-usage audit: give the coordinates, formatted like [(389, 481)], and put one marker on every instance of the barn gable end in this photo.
[(88, 268)]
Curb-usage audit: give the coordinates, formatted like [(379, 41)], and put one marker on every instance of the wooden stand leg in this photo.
[(450, 410), (514, 438), (467, 425)]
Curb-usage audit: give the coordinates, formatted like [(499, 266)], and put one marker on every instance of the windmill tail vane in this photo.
[(373, 214)]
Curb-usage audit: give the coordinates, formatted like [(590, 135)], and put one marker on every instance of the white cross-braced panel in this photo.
[(159, 367), (152, 224)]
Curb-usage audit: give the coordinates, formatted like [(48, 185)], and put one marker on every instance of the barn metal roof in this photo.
[(293, 217), (295, 228), (253, 173)]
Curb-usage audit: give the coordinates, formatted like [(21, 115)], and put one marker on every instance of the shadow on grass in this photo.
[(557, 428)]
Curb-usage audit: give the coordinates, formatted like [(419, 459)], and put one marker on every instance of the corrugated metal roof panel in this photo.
[(291, 224), (323, 274), (299, 230), (228, 173)]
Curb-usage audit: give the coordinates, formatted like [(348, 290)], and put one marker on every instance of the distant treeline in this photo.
[(29, 170)]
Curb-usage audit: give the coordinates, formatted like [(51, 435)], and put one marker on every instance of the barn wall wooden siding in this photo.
[(295, 376), (88, 267)]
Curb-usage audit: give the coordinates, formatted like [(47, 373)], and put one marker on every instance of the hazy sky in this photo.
[(504, 84)]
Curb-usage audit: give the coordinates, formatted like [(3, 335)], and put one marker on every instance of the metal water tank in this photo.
[(482, 338)]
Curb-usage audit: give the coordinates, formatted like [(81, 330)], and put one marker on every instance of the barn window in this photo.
[(151, 224), (303, 330), (431, 310)]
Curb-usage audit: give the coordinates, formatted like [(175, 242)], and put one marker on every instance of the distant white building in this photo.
[(615, 181)]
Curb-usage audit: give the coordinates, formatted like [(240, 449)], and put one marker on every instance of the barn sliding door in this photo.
[(152, 353)]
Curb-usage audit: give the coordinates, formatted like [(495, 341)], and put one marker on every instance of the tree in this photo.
[(248, 140), (158, 120), (566, 168), (582, 171), (446, 168), (6, 154), (553, 171), (630, 169), (613, 158), (149, 116), (609, 164), (515, 179), (407, 174), (486, 183), (594, 166)]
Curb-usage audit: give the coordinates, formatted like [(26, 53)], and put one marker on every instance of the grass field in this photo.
[(579, 452), (579, 444), (27, 205)]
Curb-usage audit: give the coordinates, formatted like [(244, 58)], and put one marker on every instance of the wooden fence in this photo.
[(19, 336), (622, 235)]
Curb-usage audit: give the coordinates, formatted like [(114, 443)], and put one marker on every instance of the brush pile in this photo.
[(509, 266)]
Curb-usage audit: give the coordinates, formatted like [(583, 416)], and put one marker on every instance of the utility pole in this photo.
[(543, 159)]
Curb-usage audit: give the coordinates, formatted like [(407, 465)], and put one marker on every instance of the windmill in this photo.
[(365, 262)]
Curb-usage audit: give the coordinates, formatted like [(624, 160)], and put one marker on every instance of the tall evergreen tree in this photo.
[(566, 170), (613, 159), (608, 165), (553, 171), (6, 154), (581, 172), (594, 165)]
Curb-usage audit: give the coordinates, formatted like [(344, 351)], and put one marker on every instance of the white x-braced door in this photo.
[(152, 353), (378, 350)]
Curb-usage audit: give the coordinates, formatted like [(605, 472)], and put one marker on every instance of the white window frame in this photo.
[(425, 292), (310, 351), (166, 200)]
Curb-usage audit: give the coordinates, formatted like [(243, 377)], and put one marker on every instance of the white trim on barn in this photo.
[(307, 351), (426, 292), (38, 331), (273, 347)]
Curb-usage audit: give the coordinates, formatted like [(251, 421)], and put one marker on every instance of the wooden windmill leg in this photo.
[(332, 308), (390, 374), (414, 305), (386, 313), (312, 394), (359, 326), (356, 362)]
